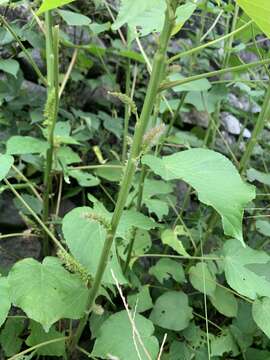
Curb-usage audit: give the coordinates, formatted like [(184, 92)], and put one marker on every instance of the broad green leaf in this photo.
[(142, 300), (202, 279), (167, 268), (85, 238), (10, 336), (225, 302), (169, 237), (255, 175), (116, 340), (171, 311), (4, 300), (147, 16), (261, 314), (52, 4), (9, 66), (246, 270), (215, 179), (6, 161), (46, 292), (74, 19), (38, 335), (197, 85), (19, 145), (259, 11)]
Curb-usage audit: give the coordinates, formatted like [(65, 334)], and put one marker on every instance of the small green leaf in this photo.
[(214, 178), (202, 279), (10, 66), (10, 336), (197, 85), (183, 13), (74, 19), (165, 269), (38, 335), (52, 4), (4, 299), (247, 270), (46, 292), (19, 145), (259, 11), (84, 178), (6, 161), (261, 314), (171, 311), (169, 237), (255, 175), (225, 302), (142, 300), (116, 339), (224, 343)]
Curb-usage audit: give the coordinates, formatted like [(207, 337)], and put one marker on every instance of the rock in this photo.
[(243, 103), (20, 13), (195, 117), (248, 56), (16, 248), (9, 215), (232, 125)]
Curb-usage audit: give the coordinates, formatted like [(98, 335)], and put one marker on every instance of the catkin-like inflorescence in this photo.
[(100, 218), (49, 109), (125, 100), (73, 266), (152, 136)]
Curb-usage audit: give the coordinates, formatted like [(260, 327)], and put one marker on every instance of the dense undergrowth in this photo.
[(134, 196)]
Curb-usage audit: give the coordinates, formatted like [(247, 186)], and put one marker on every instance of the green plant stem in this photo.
[(127, 107), (260, 123), (27, 182), (25, 51), (130, 169), (210, 43), (45, 343), (52, 49), (171, 84), (138, 208), (32, 212)]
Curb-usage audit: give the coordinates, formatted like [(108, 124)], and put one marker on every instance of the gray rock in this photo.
[(232, 125), (243, 103)]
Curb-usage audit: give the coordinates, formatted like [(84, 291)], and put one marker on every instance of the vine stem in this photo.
[(263, 117), (130, 169)]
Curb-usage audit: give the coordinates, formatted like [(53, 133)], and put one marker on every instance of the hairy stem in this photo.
[(130, 169)]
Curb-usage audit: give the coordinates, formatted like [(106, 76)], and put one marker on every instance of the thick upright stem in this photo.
[(140, 128), (52, 48)]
